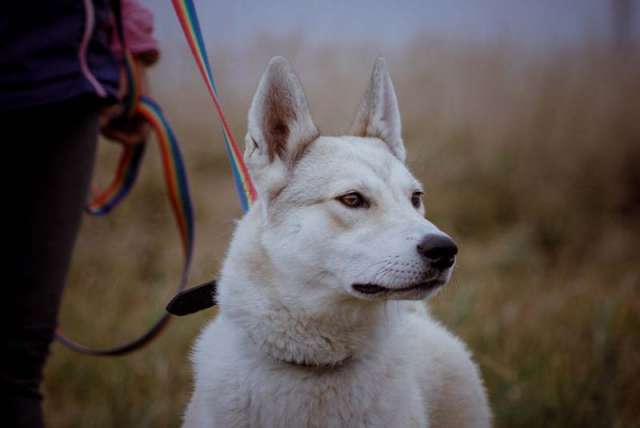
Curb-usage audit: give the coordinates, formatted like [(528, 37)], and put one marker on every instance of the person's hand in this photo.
[(125, 129)]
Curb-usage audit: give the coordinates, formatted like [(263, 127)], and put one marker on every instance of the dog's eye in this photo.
[(353, 200), (416, 199)]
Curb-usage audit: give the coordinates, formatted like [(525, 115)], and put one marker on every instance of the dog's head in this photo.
[(342, 214)]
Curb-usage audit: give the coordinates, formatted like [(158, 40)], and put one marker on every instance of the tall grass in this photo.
[(531, 161)]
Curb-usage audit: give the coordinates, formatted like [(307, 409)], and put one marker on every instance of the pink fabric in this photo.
[(137, 22)]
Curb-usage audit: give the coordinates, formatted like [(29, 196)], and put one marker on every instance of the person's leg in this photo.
[(52, 150)]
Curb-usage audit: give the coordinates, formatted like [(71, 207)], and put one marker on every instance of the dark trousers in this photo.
[(50, 153)]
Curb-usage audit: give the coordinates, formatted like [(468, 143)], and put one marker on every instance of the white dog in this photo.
[(321, 322)]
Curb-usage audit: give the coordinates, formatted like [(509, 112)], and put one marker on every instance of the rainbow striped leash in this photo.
[(122, 183), (186, 12), (203, 296), (131, 157), (176, 179)]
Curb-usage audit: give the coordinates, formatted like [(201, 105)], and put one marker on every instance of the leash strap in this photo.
[(204, 296), (123, 180), (125, 176), (178, 193), (186, 12)]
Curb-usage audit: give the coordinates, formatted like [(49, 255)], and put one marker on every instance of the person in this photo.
[(60, 83)]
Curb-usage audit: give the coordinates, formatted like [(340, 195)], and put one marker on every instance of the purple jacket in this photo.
[(56, 50)]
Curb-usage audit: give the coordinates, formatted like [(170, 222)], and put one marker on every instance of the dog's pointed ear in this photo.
[(378, 115), (280, 125)]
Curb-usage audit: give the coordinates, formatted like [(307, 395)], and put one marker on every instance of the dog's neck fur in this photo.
[(317, 340), (333, 331)]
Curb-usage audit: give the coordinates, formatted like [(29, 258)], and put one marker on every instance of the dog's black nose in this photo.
[(438, 250)]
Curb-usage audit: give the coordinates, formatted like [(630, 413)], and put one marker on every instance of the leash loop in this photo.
[(178, 193)]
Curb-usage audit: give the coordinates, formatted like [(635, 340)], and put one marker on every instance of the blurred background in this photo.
[(522, 119)]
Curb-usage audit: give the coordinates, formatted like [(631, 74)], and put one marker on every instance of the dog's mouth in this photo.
[(375, 289)]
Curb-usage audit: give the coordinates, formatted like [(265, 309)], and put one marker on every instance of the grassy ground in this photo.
[(531, 162)]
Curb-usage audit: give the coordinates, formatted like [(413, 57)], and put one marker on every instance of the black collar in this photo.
[(194, 299)]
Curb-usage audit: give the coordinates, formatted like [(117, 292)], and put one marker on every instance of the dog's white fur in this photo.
[(294, 344)]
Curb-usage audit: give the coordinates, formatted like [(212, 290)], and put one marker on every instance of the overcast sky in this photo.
[(541, 23)]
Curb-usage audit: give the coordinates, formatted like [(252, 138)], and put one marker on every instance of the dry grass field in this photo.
[(531, 161)]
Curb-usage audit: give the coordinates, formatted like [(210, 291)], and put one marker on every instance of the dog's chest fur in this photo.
[(379, 390)]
